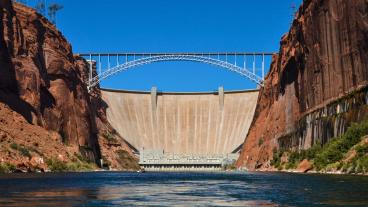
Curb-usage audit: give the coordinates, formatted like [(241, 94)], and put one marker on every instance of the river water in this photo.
[(182, 189)]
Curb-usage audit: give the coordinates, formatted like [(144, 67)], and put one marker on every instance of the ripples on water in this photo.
[(182, 189)]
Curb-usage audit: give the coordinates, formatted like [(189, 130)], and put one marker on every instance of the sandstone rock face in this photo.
[(37, 143), (42, 80), (48, 90), (322, 59)]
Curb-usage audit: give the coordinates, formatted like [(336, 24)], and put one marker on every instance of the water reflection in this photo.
[(183, 194), (51, 197), (181, 189)]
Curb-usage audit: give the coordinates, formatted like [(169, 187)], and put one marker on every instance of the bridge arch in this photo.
[(201, 58)]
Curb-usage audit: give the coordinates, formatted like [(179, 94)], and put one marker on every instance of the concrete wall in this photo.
[(196, 123)]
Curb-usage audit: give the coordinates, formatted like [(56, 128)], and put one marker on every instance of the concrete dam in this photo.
[(182, 123)]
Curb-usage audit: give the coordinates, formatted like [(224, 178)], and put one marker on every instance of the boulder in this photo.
[(304, 166)]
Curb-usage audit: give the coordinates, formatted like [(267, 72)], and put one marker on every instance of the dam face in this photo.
[(182, 123)]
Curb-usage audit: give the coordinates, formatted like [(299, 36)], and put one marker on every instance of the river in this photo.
[(182, 189)]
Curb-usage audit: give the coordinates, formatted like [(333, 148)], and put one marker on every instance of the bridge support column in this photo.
[(221, 97), (263, 66), (154, 98), (90, 73)]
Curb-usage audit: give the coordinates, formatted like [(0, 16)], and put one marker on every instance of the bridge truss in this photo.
[(108, 64)]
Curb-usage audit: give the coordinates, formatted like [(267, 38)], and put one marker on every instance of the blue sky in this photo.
[(175, 26)]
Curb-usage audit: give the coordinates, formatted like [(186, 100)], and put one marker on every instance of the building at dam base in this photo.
[(158, 160), (200, 123)]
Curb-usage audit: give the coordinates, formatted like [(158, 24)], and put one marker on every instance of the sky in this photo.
[(175, 26)]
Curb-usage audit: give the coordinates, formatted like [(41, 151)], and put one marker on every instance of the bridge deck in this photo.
[(176, 53)]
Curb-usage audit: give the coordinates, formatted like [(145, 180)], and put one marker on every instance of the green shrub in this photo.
[(359, 164), (279, 167), (14, 146), (311, 152), (336, 148), (334, 166), (25, 152), (79, 166), (291, 165), (81, 157), (362, 150), (22, 150), (6, 168), (276, 159), (332, 152), (56, 165), (363, 161), (260, 141), (110, 138), (126, 161), (229, 166), (295, 157), (293, 160), (35, 150)]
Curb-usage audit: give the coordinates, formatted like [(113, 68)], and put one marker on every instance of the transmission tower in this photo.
[(41, 7), (53, 8), (293, 9)]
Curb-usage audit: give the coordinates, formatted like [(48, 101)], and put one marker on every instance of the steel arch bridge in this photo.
[(228, 61)]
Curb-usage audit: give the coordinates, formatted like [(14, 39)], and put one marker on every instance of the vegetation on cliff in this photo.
[(77, 165), (347, 153), (6, 167), (127, 161)]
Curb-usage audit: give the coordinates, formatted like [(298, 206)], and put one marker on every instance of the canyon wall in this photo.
[(185, 123), (43, 84), (316, 86)]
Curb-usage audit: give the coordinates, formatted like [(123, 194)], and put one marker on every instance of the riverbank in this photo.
[(31, 163), (311, 172), (347, 154)]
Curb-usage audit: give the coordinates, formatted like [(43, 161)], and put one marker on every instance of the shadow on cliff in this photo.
[(18, 105), (9, 93), (289, 75)]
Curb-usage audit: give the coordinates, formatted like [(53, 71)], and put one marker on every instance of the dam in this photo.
[(184, 123)]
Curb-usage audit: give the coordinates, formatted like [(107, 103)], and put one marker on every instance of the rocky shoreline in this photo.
[(312, 172)]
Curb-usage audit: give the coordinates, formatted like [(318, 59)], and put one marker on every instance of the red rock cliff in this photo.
[(43, 82), (323, 57)]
